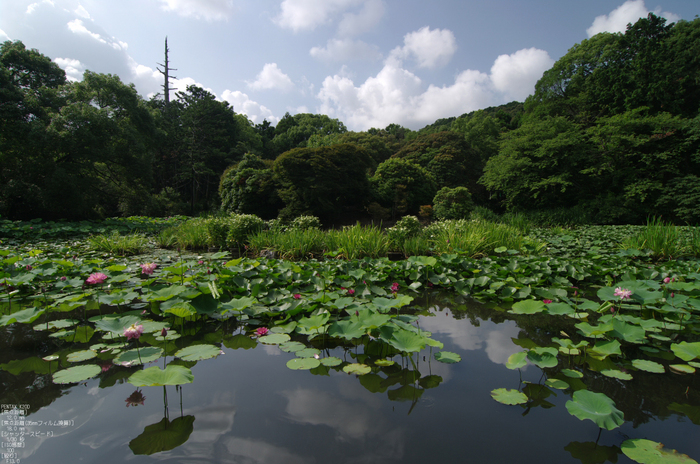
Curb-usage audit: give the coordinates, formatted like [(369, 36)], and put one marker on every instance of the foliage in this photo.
[(323, 181), (305, 222), (453, 203), (241, 227), (407, 227), (249, 188), (294, 131), (403, 186), (121, 245), (662, 239)]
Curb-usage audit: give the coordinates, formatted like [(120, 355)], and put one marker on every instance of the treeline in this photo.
[(611, 135)]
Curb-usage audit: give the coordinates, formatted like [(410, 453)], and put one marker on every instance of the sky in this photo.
[(368, 63)]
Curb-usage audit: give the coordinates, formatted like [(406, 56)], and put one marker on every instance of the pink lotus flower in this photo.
[(623, 293), (297, 296), (545, 301), (201, 261), (351, 291), (260, 331), (29, 267), (96, 278), (63, 278), (667, 280), (164, 332), (134, 332), (394, 287), (148, 268)]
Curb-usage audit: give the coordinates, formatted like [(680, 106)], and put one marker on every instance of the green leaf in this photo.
[(572, 374), (403, 340), (682, 368), (198, 352), (508, 396), (543, 357), (346, 329), (308, 353), (686, 351), (292, 347), (303, 363), (331, 361), (651, 452), (528, 307), (76, 374), (357, 369), (648, 366), (596, 407), (602, 350), (274, 339), (447, 357), (240, 341), (25, 316), (138, 356), (517, 360), (616, 374), (157, 377), (78, 356)]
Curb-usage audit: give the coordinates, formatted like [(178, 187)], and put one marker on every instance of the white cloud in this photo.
[(74, 68), (211, 10), (33, 6), (429, 48), (345, 50), (628, 12), (77, 27), (82, 12), (4, 36), (357, 23), (516, 75), (271, 77), (306, 15), (396, 95), (243, 104)]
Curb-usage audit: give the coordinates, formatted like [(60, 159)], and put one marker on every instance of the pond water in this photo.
[(246, 406)]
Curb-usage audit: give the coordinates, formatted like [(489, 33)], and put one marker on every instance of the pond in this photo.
[(246, 406)]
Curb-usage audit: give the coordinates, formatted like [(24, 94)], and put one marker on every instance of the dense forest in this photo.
[(610, 135)]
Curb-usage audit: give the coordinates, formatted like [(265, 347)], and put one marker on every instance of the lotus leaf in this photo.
[(39, 366), (628, 332), (25, 316), (402, 340), (291, 347), (447, 357), (274, 339), (510, 397), (384, 362), (198, 352), (76, 374), (314, 322), (597, 407), (331, 361), (347, 329), (616, 374), (648, 366), (543, 357), (528, 307), (59, 324), (651, 452), (157, 377), (686, 351), (303, 363), (682, 368), (357, 369), (517, 360), (137, 356), (572, 373), (78, 356), (240, 341), (308, 353), (602, 350), (557, 383)]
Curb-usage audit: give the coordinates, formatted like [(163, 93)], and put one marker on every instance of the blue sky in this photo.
[(369, 63)]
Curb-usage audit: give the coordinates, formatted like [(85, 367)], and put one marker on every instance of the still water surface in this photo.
[(246, 406)]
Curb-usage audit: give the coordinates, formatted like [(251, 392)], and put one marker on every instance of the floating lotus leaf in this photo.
[(25, 316), (274, 339), (292, 347), (590, 331), (163, 436), (557, 383), (303, 363), (78, 356), (370, 319), (198, 352), (628, 332), (59, 324), (648, 366), (331, 361), (76, 374), (137, 356), (314, 322), (560, 309), (153, 326), (543, 357), (357, 369), (347, 329), (616, 374), (181, 310), (157, 377), (508, 396), (403, 340), (682, 368), (602, 350), (116, 325), (384, 362), (528, 307), (651, 452), (686, 351), (307, 353), (447, 357), (517, 360), (596, 407), (572, 373)]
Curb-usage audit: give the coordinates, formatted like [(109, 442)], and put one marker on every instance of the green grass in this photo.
[(663, 240), (121, 245), (358, 242), (292, 244), (474, 238)]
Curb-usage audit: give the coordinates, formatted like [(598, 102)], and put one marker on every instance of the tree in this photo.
[(324, 181), (249, 188), (453, 203), (402, 186), (295, 131)]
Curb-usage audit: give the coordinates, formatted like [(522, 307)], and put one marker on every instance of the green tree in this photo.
[(249, 188), (325, 181), (453, 203), (402, 186), (295, 131)]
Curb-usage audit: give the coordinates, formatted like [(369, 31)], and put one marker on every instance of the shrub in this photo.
[(453, 203), (305, 223), (241, 227), (218, 231), (482, 213), (405, 228), (122, 245)]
